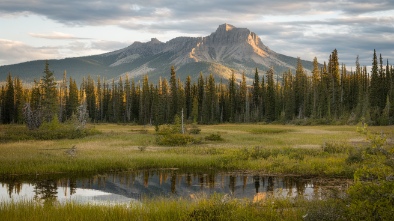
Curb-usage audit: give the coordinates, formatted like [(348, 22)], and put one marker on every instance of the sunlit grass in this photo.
[(290, 149)]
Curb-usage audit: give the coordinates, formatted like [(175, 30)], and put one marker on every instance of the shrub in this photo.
[(214, 137), (270, 131), (354, 156), (333, 209), (335, 147), (47, 131), (194, 129), (175, 140)]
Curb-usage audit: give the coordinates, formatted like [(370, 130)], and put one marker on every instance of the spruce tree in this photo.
[(49, 97), (256, 96), (270, 97), (8, 113), (174, 93), (72, 99)]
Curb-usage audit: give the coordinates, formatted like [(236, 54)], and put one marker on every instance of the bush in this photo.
[(214, 137), (194, 129), (175, 140), (270, 131), (329, 210), (335, 147), (47, 131), (355, 156)]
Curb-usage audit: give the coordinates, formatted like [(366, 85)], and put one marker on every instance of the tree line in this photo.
[(331, 93)]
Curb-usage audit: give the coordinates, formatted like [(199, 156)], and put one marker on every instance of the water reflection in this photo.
[(132, 186)]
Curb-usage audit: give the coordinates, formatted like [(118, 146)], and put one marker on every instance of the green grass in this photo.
[(216, 207), (325, 151), (279, 149)]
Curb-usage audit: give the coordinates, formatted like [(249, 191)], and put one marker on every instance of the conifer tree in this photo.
[(256, 96), (288, 94), (200, 96), (315, 85), (232, 98), (174, 93), (20, 100), (270, 97), (8, 113), (242, 99), (188, 97), (72, 99), (49, 103)]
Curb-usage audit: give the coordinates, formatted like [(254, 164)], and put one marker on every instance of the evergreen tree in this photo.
[(174, 93), (8, 113), (256, 97), (374, 96), (72, 99), (232, 98), (300, 89), (242, 99), (270, 97), (315, 85), (49, 102), (188, 97), (200, 96), (289, 98), (334, 83)]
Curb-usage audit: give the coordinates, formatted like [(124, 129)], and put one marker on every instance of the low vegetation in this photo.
[(325, 151)]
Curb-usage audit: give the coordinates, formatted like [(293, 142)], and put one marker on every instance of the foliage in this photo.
[(216, 207), (371, 197), (52, 130), (327, 210), (194, 129), (270, 130), (214, 137), (336, 147), (332, 95), (175, 140)]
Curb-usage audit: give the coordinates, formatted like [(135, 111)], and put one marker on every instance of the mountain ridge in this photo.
[(228, 49)]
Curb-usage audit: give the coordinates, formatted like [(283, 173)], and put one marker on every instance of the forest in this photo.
[(331, 94)]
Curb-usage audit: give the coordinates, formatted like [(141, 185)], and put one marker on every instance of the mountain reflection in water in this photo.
[(127, 187)]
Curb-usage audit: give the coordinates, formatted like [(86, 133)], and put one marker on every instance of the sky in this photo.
[(55, 29)]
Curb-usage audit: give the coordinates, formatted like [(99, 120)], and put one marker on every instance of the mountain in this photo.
[(228, 49)]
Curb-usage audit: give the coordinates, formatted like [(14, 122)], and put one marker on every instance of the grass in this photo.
[(279, 149), (325, 151), (216, 207)]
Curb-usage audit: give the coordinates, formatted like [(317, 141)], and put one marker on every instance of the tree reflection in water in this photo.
[(153, 183)]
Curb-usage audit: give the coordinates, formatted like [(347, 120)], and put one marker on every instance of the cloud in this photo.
[(56, 36), (304, 28), (13, 52)]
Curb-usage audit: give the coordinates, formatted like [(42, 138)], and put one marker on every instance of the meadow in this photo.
[(283, 149), (312, 151)]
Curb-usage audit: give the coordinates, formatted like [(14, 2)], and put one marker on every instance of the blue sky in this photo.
[(54, 29)]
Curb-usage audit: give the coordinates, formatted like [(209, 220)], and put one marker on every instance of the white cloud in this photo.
[(55, 36), (12, 52)]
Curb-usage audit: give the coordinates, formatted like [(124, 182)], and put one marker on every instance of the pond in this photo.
[(126, 187)]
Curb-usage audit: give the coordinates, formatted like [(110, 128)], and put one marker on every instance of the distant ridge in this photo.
[(228, 49)]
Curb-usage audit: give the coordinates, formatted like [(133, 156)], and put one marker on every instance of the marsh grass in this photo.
[(270, 130), (116, 148), (216, 207)]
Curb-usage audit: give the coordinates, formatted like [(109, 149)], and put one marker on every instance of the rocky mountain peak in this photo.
[(155, 40), (229, 34), (224, 51), (225, 27)]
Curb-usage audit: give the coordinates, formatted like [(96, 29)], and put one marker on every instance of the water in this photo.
[(126, 187)]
